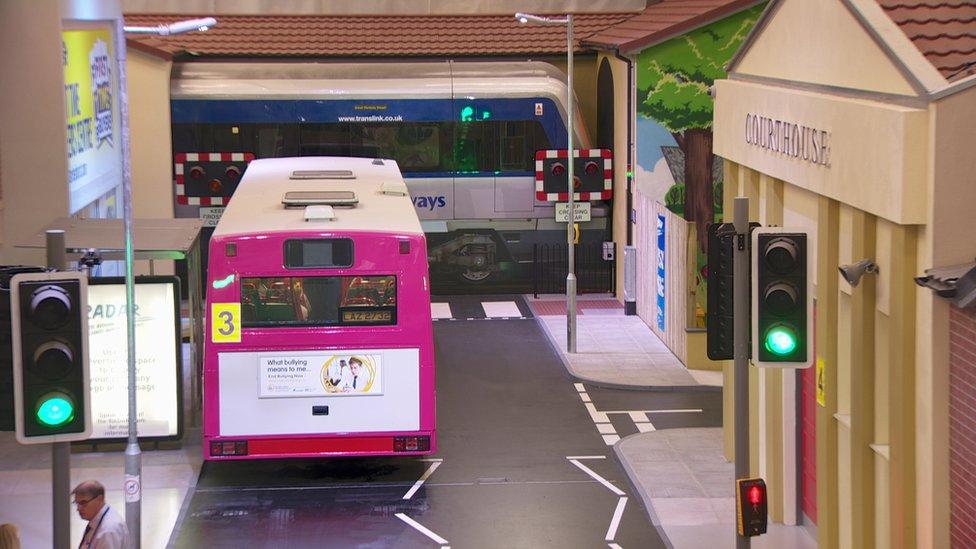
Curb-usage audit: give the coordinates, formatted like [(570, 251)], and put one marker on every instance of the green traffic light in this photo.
[(55, 410), (780, 341)]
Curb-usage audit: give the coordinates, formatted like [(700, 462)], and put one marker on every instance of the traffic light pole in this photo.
[(740, 353), (132, 487), (60, 451)]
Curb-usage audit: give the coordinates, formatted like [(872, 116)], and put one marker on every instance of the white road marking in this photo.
[(638, 417), (615, 522), (645, 427), (597, 477), (598, 417), (580, 388), (611, 439), (501, 309), (586, 457), (677, 411), (613, 545), (420, 528), (440, 310), (606, 428), (425, 476), (585, 397)]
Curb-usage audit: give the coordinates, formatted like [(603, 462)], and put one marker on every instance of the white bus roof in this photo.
[(256, 206)]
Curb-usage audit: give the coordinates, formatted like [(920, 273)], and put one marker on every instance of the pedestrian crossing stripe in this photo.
[(493, 310)]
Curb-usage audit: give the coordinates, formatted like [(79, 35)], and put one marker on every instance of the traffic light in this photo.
[(592, 175), (782, 299), (49, 330), (750, 506), (719, 306), (718, 321)]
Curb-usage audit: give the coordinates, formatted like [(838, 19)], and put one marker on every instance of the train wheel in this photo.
[(474, 276)]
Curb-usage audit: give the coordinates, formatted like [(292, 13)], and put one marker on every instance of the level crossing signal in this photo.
[(782, 299), (49, 333)]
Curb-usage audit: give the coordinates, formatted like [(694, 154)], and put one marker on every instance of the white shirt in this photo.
[(106, 530)]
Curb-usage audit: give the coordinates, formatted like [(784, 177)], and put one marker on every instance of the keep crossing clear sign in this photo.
[(581, 212)]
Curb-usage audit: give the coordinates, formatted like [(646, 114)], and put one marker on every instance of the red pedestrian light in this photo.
[(755, 495), (751, 511)]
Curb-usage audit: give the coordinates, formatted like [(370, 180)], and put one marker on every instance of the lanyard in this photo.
[(91, 538)]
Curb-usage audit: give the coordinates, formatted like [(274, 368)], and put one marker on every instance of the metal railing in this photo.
[(593, 273)]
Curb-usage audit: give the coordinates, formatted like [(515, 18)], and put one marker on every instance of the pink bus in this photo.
[(319, 336)]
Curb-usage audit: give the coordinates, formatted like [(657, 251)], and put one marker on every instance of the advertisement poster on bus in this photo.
[(91, 107), (157, 359), (352, 374)]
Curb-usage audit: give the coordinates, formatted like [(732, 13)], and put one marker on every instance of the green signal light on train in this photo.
[(467, 113)]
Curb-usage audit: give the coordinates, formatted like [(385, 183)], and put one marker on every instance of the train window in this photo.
[(511, 145), (268, 302), (226, 137), (475, 150)]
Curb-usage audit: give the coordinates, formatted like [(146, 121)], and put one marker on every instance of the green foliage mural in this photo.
[(673, 81)]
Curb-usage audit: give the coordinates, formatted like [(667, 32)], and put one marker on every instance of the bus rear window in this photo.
[(286, 301), (318, 252)]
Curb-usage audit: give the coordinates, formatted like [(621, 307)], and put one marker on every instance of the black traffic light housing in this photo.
[(592, 174), (49, 329), (720, 294), (782, 299), (750, 506)]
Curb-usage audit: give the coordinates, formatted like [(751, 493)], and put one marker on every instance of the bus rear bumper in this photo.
[(235, 448)]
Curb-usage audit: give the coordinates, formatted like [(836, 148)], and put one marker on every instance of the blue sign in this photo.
[(660, 272)]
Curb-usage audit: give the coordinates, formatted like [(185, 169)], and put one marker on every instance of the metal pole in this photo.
[(740, 310), (132, 488), (60, 451), (571, 275)]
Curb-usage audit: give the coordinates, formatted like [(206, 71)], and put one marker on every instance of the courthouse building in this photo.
[(854, 119)]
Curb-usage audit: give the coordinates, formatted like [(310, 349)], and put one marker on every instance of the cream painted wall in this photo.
[(819, 50), (872, 145), (621, 217), (949, 240), (32, 125), (151, 145), (800, 208), (385, 7)]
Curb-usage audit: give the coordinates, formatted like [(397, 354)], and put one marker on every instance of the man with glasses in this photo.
[(106, 529)]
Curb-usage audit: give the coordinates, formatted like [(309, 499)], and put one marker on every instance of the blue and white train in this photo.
[(465, 136)]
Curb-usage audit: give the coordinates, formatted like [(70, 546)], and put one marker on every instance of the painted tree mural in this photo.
[(673, 79)]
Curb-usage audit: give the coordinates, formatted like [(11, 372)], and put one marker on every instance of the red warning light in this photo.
[(196, 172), (591, 168), (215, 186), (558, 169), (232, 172)]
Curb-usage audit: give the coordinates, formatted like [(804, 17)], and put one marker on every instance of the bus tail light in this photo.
[(228, 448), (411, 444), (404, 247)]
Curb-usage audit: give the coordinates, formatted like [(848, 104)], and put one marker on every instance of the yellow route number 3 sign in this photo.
[(225, 322)]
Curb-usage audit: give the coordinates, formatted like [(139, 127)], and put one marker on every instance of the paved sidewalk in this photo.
[(681, 474)]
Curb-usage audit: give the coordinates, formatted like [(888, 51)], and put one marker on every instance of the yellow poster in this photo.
[(91, 110), (821, 390), (225, 322)]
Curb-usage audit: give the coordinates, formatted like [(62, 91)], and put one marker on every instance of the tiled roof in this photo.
[(362, 36), (665, 19), (943, 30)]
